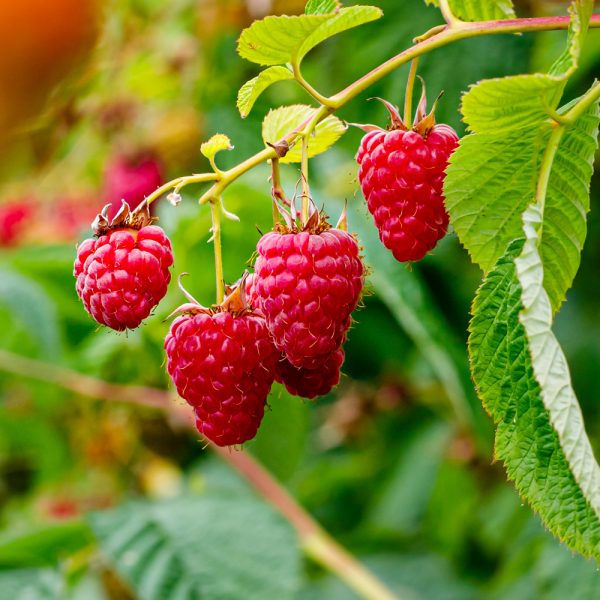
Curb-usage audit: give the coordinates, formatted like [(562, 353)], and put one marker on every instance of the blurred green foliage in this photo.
[(396, 462)]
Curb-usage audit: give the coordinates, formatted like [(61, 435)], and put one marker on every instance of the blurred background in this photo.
[(107, 100)]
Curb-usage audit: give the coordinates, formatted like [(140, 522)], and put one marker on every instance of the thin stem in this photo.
[(546, 166), (309, 88), (179, 183), (445, 35), (410, 86), (591, 96), (314, 540), (304, 176), (215, 211), (448, 15)]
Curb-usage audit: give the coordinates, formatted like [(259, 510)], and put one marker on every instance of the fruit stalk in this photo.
[(410, 86), (215, 210)]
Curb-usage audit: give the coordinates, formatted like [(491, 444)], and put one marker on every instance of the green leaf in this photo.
[(321, 7), (31, 584), (278, 40), (479, 10), (217, 143), (29, 304), (491, 180), (346, 18), (43, 547), (281, 121), (523, 380), (253, 88), (492, 176), (201, 548)]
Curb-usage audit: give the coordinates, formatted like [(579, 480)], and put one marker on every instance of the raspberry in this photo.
[(124, 273), (402, 175), (222, 363), (308, 285), (310, 383), (303, 382)]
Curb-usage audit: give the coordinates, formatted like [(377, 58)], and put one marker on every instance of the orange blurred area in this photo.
[(42, 42)]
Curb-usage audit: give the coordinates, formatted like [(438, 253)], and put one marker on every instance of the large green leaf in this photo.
[(479, 10), (31, 584), (201, 548), (523, 380), (281, 121), (277, 40), (493, 174)]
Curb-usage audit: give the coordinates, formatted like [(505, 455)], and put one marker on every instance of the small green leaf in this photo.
[(274, 40), (344, 19), (278, 40), (253, 88), (479, 10), (321, 7), (216, 143), (281, 121)]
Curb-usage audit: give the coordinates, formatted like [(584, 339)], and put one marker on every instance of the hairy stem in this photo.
[(304, 176), (435, 38), (314, 540), (179, 183), (215, 210)]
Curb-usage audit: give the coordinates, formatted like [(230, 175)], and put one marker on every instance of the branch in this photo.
[(315, 541), (436, 38)]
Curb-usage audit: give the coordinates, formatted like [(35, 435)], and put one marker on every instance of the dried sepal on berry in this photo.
[(123, 273)]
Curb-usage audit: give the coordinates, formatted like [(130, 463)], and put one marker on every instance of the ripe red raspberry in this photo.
[(222, 362), (310, 383), (308, 284), (402, 176), (303, 382), (124, 273)]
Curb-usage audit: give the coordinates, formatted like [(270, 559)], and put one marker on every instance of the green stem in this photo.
[(179, 183), (304, 176), (215, 211), (445, 35), (448, 15), (591, 96), (546, 166), (309, 88), (410, 86)]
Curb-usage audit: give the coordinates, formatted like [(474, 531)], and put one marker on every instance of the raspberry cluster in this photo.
[(124, 272), (402, 175)]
